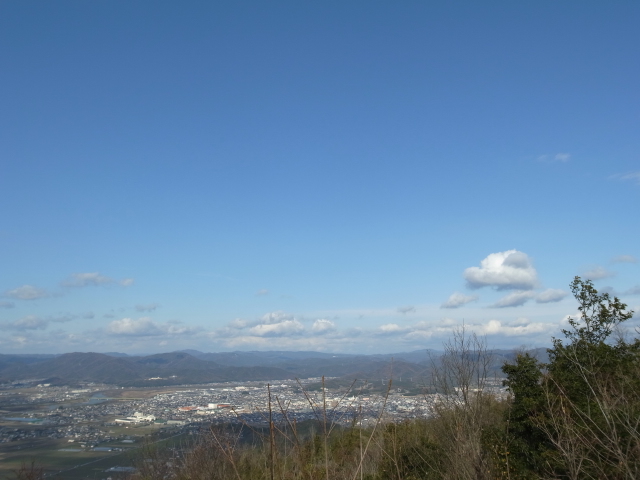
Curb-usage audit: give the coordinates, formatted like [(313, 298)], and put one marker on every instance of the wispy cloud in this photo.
[(624, 259), (147, 308), (7, 305), (551, 295), (93, 279), (458, 299), (407, 309), (633, 290), (262, 291), (514, 299), (87, 279), (146, 327), (34, 322), (558, 157), (29, 322), (628, 177), (27, 292), (597, 272)]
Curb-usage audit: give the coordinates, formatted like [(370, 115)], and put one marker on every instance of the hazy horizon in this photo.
[(349, 178)]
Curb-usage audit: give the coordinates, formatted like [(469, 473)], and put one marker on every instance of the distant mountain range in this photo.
[(193, 367), (174, 368)]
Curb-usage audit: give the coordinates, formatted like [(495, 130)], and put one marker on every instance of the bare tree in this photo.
[(463, 406)]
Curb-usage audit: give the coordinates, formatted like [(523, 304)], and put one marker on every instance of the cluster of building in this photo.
[(83, 416)]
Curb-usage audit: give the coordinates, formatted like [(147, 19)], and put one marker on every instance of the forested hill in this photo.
[(163, 369), (194, 367)]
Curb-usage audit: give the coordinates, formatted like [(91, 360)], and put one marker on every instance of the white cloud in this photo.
[(520, 327), (597, 273), (391, 327), (128, 326), (274, 325), (562, 157), (504, 271), (146, 327), (7, 305), (551, 295), (147, 308), (323, 326), (285, 327), (276, 317), (126, 282), (262, 291), (407, 309), (458, 299), (27, 292), (624, 259), (514, 299)]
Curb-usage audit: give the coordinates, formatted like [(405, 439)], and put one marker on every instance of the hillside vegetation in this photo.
[(576, 416)]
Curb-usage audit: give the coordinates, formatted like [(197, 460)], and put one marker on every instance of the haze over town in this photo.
[(355, 178)]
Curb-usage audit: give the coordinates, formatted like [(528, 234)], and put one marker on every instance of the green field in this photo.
[(76, 465)]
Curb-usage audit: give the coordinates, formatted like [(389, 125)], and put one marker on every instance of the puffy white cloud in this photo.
[(550, 296), (27, 292), (276, 317), (597, 273), (519, 327), (514, 299), (624, 259), (147, 308), (7, 305), (407, 309), (285, 327), (503, 270), (323, 326), (458, 299), (128, 326)]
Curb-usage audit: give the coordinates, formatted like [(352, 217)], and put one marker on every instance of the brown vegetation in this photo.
[(576, 417)]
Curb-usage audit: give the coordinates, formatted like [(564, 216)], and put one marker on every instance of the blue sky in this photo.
[(338, 176)]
